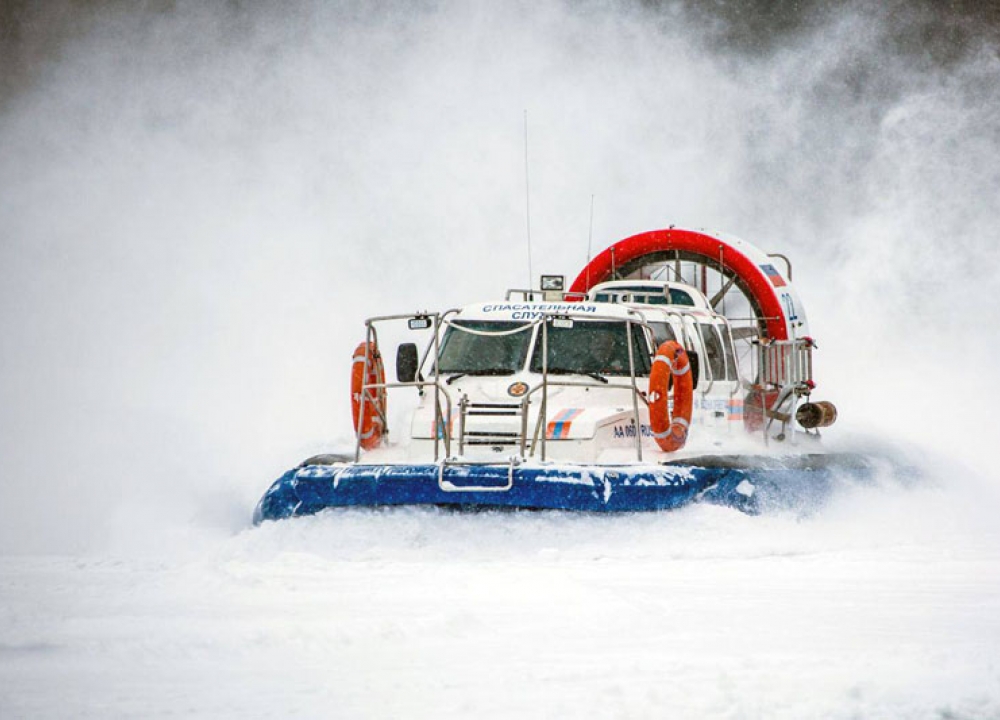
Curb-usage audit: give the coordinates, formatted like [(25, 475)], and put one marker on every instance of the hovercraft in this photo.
[(676, 368)]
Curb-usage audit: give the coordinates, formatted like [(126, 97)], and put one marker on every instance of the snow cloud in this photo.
[(200, 205)]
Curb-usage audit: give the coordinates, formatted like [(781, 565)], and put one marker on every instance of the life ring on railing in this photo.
[(370, 427), (669, 432)]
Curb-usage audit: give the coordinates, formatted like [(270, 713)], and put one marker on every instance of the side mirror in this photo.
[(406, 362), (695, 368)]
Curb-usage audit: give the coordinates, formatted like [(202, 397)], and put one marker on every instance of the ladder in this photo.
[(485, 435)]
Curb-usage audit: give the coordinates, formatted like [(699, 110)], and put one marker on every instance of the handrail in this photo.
[(632, 318), (491, 333), (685, 315), (541, 420), (440, 417), (371, 340), (638, 298), (448, 486), (787, 366), (528, 295), (736, 360), (785, 362), (788, 263), (543, 413)]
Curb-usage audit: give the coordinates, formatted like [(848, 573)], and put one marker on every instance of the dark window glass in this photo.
[(650, 295), (713, 349), (730, 355), (473, 353), (592, 347), (662, 332), (679, 297)]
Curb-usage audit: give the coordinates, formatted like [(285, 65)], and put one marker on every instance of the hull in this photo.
[(750, 485)]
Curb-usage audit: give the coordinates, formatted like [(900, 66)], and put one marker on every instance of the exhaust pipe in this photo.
[(816, 415)]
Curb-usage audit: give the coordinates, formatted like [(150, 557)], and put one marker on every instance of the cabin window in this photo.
[(727, 343), (647, 295), (475, 347), (650, 297), (679, 297), (662, 332), (592, 347), (714, 352)]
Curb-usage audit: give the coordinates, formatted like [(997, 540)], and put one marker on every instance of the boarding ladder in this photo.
[(471, 433)]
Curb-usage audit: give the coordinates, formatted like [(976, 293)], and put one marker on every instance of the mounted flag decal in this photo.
[(735, 408), (773, 275), (558, 428)]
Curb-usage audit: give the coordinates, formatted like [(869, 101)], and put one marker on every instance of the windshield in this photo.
[(592, 347), (476, 347)]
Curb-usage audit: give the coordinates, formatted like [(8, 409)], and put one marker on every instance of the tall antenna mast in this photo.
[(527, 197), (590, 238)]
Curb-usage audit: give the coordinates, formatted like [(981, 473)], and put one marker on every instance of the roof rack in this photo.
[(544, 295)]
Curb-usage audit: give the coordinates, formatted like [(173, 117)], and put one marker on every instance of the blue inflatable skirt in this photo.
[(749, 484)]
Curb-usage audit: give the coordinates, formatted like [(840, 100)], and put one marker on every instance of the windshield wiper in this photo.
[(567, 371), (488, 371)]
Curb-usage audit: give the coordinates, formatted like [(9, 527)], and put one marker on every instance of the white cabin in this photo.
[(494, 392)]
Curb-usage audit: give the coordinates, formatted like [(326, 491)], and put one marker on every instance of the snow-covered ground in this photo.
[(201, 204), (885, 604)]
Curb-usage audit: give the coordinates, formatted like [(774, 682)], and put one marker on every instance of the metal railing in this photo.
[(785, 362), (544, 295), (784, 366), (542, 421), (443, 401), (371, 341), (620, 297)]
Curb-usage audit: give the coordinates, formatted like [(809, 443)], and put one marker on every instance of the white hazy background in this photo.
[(199, 205)]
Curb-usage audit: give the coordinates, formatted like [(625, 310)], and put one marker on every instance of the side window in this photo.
[(691, 341), (640, 352), (713, 349), (662, 331), (679, 297), (727, 343)]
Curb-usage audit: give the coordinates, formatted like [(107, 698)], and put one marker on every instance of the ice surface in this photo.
[(883, 605), (201, 205)]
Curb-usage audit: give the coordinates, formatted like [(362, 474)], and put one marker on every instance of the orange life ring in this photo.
[(671, 360), (370, 427)]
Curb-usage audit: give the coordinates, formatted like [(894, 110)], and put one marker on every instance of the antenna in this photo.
[(527, 197), (590, 238)]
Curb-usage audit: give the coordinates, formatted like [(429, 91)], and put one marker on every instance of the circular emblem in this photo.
[(517, 389)]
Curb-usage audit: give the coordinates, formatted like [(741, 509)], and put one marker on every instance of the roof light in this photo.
[(553, 282)]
